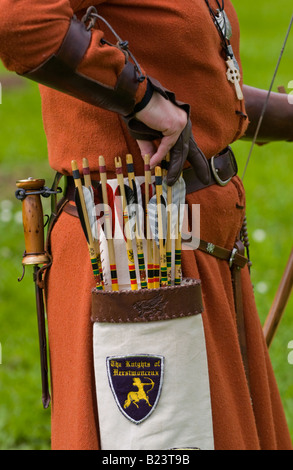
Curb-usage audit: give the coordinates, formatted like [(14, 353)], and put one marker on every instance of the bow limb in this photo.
[(280, 301)]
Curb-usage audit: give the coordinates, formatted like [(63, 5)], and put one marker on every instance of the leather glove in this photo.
[(185, 147)]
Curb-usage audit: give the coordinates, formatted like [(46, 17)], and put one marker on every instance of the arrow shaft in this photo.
[(162, 245), (88, 184), (130, 255), (139, 243), (150, 261), (91, 246), (108, 227)]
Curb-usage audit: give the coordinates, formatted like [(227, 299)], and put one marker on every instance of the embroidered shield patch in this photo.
[(136, 383)]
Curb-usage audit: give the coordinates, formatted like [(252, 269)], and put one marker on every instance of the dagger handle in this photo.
[(33, 222)]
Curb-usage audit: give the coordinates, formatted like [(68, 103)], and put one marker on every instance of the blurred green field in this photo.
[(268, 181)]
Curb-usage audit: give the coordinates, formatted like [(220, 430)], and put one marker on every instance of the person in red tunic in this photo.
[(97, 102)]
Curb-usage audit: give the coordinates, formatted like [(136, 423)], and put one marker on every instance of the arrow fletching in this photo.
[(153, 218), (90, 207), (80, 213), (182, 196)]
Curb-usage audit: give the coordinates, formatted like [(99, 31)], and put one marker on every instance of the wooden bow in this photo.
[(279, 304)]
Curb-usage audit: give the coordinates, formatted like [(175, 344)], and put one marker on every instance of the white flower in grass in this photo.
[(6, 204), (5, 252), (290, 355), (6, 215), (261, 287), (18, 217), (259, 235)]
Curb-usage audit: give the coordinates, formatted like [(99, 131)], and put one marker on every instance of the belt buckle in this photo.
[(216, 176), (232, 257)]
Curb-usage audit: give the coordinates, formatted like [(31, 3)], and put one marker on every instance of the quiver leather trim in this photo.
[(146, 305), (60, 73)]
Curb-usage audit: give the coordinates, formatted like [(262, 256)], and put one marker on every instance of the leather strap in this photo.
[(75, 44), (238, 302), (60, 73), (235, 257), (46, 398)]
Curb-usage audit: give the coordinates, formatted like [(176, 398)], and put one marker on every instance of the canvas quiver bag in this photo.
[(150, 361), (151, 369)]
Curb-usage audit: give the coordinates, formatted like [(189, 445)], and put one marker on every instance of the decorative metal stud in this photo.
[(210, 248)]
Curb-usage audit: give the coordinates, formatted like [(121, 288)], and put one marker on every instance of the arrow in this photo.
[(162, 226), (83, 215), (148, 182), (139, 243), (90, 205), (108, 228), (130, 256)]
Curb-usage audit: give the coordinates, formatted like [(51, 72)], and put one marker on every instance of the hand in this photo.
[(164, 116), (167, 119)]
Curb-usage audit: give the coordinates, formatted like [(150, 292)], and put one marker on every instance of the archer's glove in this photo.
[(185, 147)]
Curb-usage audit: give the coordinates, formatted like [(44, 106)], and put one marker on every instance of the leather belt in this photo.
[(222, 168), (234, 257)]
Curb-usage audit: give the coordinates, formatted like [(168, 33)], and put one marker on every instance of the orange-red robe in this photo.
[(177, 43)]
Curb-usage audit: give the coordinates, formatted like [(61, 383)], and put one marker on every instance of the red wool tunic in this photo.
[(178, 44)]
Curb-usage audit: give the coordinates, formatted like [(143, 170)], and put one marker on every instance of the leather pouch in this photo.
[(151, 368)]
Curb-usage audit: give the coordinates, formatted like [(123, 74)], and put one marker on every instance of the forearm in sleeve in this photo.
[(277, 122), (45, 42)]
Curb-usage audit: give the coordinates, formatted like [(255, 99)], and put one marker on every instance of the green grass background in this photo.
[(268, 181)]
